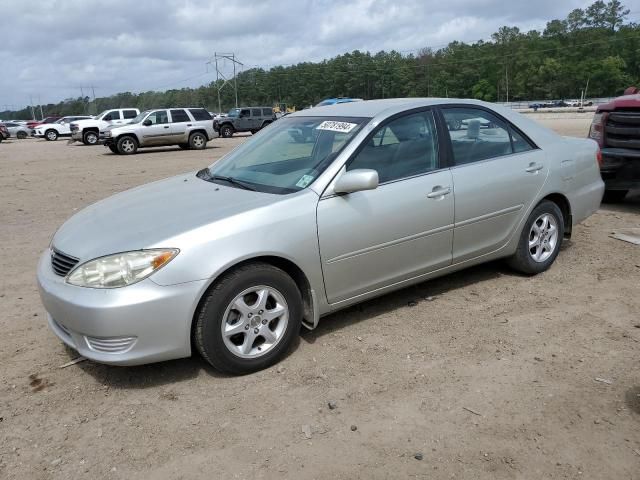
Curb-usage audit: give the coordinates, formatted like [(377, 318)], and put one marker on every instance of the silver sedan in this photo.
[(323, 209)]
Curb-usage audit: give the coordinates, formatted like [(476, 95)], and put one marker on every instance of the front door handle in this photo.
[(166, 126), (439, 191), (534, 167)]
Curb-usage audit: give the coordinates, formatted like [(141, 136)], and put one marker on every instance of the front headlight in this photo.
[(107, 133), (121, 269)]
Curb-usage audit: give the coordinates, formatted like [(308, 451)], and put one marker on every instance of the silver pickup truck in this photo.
[(189, 128)]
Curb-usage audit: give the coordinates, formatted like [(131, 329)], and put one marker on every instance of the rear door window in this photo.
[(179, 116), (200, 114), (129, 114), (476, 135), (256, 112)]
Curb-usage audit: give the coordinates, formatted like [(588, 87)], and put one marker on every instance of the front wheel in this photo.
[(90, 138), (197, 141), (226, 131), (127, 145), (540, 240), (249, 319), (51, 135)]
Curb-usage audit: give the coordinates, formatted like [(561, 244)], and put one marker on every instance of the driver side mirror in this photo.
[(147, 123), (356, 181)]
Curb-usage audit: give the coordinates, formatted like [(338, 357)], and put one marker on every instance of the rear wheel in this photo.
[(90, 138), (197, 141), (226, 131), (21, 135), (127, 145), (540, 240), (249, 319), (614, 196), (51, 135)]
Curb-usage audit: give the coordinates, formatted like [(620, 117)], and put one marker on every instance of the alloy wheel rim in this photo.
[(51, 135), (127, 146), (255, 321), (543, 237), (198, 141), (91, 138)]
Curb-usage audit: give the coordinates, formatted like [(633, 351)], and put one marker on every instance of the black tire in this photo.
[(614, 196), (226, 131), (113, 148), (127, 145), (523, 260), (207, 331), (51, 135), (184, 146), (197, 141), (90, 137), (21, 135)]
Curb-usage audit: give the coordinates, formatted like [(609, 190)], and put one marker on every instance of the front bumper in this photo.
[(134, 325), (620, 168)]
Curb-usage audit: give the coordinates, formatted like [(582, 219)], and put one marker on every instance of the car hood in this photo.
[(47, 125), (152, 215)]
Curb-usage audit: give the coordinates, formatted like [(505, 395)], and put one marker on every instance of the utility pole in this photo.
[(40, 104), (220, 74), (506, 75)]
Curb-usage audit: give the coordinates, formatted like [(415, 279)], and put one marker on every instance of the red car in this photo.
[(34, 123), (615, 128), (4, 133)]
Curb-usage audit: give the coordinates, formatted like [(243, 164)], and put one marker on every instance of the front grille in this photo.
[(62, 263), (623, 130)]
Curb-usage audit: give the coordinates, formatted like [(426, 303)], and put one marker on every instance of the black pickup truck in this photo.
[(616, 128)]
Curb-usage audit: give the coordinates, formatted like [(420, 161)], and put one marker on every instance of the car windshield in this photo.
[(101, 114), (289, 155), (234, 112), (140, 117)]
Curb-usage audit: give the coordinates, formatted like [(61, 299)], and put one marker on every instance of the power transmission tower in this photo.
[(220, 74)]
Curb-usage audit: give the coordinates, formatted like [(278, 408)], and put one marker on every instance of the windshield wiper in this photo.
[(205, 174)]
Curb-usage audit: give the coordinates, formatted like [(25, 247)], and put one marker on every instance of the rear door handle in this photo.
[(189, 125), (439, 191), (534, 167), (166, 126)]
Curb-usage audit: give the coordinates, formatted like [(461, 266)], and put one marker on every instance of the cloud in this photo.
[(121, 45)]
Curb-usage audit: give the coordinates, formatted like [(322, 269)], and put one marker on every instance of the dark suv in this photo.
[(616, 128), (245, 119)]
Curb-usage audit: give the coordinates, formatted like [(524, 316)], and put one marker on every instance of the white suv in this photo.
[(51, 131), (186, 127), (88, 131)]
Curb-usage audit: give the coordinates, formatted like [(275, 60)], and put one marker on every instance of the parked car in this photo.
[(88, 131), (17, 130), (233, 259), (186, 127), (60, 128), (245, 119), (615, 128), (334, 101), (4, 132), (32, 124)]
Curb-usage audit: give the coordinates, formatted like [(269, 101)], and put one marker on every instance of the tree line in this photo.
[(595, 48)]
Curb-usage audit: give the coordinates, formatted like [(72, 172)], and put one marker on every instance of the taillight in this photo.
[(596, 131), (599, 157)]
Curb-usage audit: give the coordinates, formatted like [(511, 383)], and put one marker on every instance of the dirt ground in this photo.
[(486, 374)]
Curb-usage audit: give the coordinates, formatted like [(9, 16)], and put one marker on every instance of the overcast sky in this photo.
[(51, 48)]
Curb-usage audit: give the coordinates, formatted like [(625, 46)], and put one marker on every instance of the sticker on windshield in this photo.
[(304, 181), (345, 127)]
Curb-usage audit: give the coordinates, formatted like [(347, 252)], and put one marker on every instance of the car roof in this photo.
[(380, 109)]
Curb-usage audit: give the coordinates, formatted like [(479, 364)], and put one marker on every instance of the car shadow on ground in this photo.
[(425, 292), (157, 150), (630, 204)]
